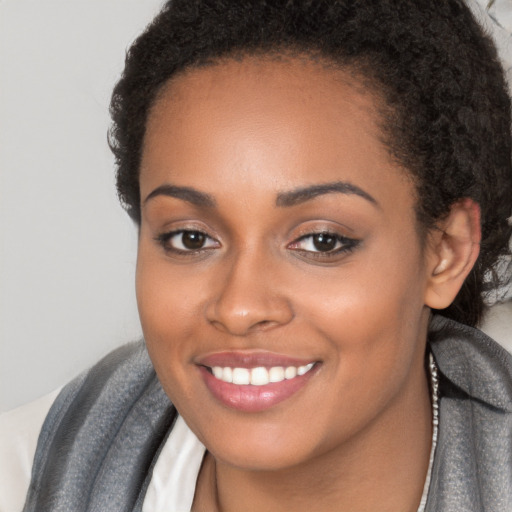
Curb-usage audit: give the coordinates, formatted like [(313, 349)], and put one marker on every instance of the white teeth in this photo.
[(276, 374), (290, 372), (301, 370), (259, 376), (241, 376), (227, 374)]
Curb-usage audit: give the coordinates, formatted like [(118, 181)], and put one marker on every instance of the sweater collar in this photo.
[(472, 361)]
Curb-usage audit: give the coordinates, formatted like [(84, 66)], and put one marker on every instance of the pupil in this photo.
[(324, 242), (193, 240)]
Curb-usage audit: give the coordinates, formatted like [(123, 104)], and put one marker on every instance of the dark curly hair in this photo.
[(447, 114)]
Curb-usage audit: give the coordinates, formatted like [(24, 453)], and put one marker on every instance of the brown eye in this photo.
[(186, 241), (324, 242), (193, 240), (323, 245)]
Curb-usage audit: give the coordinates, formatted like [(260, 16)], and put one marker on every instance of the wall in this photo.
[(67, 250)]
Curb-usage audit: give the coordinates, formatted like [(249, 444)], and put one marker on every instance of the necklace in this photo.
[(434, 389)]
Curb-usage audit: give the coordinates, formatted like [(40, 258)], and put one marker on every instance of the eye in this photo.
[(324, 244), (186, 241)]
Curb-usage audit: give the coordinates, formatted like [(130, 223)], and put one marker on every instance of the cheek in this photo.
[(166, 313), (372, 312), (165, 300), (380, 285)]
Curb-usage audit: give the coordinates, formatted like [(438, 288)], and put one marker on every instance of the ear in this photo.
[(452, 252)]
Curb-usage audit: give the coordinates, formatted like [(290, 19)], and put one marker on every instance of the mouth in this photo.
[(259, 376), (254, 382)]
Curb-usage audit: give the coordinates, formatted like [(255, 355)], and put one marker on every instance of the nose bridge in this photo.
[(248, 296)]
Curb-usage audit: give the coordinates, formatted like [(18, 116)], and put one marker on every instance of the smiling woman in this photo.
[(320, 189), (290, 263)]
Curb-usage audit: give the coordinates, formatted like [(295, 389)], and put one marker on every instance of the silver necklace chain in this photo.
[(434, 385)]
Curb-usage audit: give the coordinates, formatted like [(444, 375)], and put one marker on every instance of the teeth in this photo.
[(290, 372), (241, 376), (301, 370), (276, 374), (259, 376), (227, 374)]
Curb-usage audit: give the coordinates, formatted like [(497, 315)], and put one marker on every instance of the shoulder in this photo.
[(19, 432), (473, 459), (102, 435), (72, 426), (472, 362)]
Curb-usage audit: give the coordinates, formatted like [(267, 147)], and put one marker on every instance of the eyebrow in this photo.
[(303, 194), (189, 194), (284, 199)]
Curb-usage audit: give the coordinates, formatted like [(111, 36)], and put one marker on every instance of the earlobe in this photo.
[(453, 250)]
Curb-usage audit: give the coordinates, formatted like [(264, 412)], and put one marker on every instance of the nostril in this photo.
[(263, 324), (242, 329)]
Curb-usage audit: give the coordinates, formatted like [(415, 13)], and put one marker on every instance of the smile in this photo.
[(259, 376), (254, 382)]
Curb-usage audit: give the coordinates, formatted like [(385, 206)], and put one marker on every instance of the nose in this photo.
[(248, 298)]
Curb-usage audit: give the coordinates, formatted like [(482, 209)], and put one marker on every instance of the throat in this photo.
[(205, 496)]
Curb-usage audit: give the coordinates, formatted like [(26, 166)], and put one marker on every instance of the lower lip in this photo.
[(249, 398)]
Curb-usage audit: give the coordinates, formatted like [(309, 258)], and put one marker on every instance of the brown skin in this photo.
[(357, 436)]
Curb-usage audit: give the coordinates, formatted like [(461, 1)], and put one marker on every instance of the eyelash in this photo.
[(165, 240), (343, 244)]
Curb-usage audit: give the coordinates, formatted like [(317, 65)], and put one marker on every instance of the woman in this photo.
[(311, 181)]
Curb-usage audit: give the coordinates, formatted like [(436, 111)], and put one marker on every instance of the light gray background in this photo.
[(67, 249)]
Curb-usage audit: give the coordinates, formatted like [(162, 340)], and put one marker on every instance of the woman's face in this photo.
[(279, 248)]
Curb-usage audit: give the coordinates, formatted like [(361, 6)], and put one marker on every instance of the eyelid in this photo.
[(343, 245), (308, 240), (339, 238), (165, 238)]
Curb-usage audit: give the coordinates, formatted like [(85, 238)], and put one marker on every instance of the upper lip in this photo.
[(240, 359)]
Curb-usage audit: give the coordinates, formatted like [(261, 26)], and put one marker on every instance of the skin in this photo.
[(357, 436)]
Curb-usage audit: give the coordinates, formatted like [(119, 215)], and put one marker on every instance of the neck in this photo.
[(382, 468)]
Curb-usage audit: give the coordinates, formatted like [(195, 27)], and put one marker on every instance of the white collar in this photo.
[(173, 483)]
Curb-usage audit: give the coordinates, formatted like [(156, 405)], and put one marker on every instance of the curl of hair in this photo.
[(447, 112)]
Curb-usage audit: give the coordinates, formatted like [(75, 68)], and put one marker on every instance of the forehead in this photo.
[(289, 122), (258, 87)]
